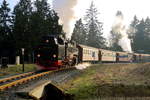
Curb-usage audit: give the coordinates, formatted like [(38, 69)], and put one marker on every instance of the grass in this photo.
[(16, 69), (83, 86), (110, 80)]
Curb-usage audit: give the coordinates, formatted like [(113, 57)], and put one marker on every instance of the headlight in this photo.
[(54, 56), (47, 41), (38, 55)]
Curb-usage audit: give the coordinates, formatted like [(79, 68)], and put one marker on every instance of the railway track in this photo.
[(3, 80), (13, 81)]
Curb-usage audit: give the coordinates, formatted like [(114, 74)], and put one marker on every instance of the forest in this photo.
[(28, 21)]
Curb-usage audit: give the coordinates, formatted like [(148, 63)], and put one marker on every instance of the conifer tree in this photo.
[(139, 33), (53, 24), (46, 20), (94, 28), (142, 36), (147, 35), (133, 29), (5, 20), (22, 25), (6, 37), (79, 33), (138, 41)]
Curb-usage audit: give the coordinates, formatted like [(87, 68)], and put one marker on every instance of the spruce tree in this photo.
[(139, 33), (139, 39), (53, 24), (79, 33), (94, 28), (40, 16), (46, 20), (22, 25), (133, 29), (5, 20), (6, 37), (147, 35)]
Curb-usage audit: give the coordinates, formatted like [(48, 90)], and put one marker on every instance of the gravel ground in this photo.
[(56, 78)]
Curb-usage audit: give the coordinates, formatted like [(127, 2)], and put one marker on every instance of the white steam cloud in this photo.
[(82, 66), (66, 12), (119, 29)]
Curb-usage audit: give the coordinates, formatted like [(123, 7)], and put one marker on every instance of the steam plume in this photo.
[(120, 30), (82, 66), (65, 9)]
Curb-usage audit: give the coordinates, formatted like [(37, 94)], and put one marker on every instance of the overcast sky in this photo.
[(108, 9)]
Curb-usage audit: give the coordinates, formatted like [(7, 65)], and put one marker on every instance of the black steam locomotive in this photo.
[(53, 53)]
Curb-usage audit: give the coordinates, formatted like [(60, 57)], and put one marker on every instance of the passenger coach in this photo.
[(87, 54), (107, 55), (145, 57), (123, 57)]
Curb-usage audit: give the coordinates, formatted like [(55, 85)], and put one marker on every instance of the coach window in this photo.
[(93, 54), (103, 54), (110, 54), (107, 54), (83, 51)]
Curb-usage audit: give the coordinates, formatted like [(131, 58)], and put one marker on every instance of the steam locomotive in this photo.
[(53, 53)]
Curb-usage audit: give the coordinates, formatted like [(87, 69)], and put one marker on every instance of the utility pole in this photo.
[(22, 49)]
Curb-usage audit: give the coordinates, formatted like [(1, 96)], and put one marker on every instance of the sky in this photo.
[(108, 9)]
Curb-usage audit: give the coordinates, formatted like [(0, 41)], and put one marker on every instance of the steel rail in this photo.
[(15, 77), (27, 79)]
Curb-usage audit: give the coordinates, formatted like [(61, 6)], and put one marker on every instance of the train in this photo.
[(53, 53)]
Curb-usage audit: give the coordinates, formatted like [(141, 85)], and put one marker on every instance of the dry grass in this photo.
[(111, 80), (16, 69)]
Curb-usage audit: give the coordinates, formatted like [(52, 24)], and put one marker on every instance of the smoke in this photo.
[(82, 66), (66, 12), (120, 31)]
